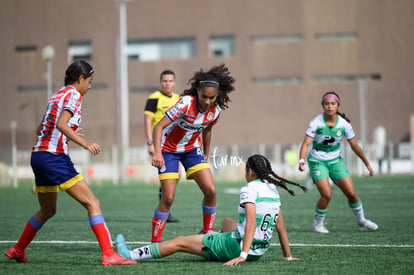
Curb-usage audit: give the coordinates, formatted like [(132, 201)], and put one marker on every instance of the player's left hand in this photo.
[(235, 261), (157, 161), (290, 259), (371, 172)]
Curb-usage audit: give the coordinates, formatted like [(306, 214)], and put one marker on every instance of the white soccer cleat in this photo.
[(320, 228), (372, 226)]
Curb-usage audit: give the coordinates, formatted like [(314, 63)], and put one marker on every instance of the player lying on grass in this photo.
[(249, 239)]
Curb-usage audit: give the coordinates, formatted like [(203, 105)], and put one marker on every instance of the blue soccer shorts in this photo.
[(193, 161), (53, 172)]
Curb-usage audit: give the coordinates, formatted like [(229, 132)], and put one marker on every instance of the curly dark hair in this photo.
[(263, 169), (218, 74)]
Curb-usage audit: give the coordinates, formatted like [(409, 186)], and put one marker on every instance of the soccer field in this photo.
[(66, 244)]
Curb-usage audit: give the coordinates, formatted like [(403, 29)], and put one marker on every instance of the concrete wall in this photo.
[(258, 113)]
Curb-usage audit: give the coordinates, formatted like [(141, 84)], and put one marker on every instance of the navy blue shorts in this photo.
[(193, 161), (53, 171)]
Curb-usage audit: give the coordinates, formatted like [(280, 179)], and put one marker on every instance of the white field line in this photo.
[(292, 244)]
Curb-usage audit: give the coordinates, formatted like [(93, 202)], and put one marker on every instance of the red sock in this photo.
[(157, 228), (26, 238), (208, 221), (104, 238)]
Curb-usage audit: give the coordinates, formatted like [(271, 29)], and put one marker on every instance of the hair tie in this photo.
[(209, 83), (331, 96)]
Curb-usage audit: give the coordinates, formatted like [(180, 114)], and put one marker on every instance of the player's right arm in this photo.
[(303, 151), (149, 113), (148, 132), (157, 159)]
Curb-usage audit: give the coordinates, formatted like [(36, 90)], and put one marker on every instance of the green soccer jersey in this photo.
[(267, 201), (327, 140)]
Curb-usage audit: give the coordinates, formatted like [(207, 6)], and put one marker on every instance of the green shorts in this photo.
[(223, 247), (321, 169)]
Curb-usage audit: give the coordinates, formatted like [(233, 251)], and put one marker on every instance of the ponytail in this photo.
[(261, 166)]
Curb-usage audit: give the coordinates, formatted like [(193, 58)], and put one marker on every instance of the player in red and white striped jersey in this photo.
[(54, 170), (184, 135), (188, 122), (50, 138)]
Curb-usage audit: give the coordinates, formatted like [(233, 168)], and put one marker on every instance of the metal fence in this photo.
[(226, 162)]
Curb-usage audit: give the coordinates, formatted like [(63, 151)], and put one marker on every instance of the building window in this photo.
[(32, 88), (278, 80), (152, 50), (80, 50), (143, 90), (336, 36), (345, 78), (278, 39), (26, 48), (221, 46)]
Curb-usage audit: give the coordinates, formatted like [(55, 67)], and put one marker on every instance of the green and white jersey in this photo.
[(266, 198), (326, 143)]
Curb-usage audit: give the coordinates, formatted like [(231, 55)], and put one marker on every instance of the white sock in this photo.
[(319, 216), (142, 253), (359, 213)]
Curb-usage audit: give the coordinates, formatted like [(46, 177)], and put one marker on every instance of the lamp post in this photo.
[(13, 127), (362, 84), (123, 90), (48, 53), (363, 109)]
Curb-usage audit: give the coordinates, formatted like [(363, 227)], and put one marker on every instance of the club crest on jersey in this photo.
[(339, 133), (210, 116)]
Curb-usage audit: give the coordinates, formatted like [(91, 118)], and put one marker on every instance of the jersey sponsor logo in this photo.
[(191, 127), (260, 246)]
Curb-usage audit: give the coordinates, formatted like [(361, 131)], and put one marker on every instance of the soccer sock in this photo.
[(209, 214), (101, 232), (150, 251), (158, 223), (28, 234), (358, 210), (320, 215)]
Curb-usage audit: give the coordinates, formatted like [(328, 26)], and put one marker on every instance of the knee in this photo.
[(326, 197), (167, 199), (92, 204), (179, 243), (47, 213), (353, 198), (210, 193)]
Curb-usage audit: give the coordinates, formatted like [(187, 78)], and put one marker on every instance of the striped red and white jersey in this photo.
[(188, 122), (50, 138)]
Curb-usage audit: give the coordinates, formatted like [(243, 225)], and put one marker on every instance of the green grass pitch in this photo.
[(66, 244)]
